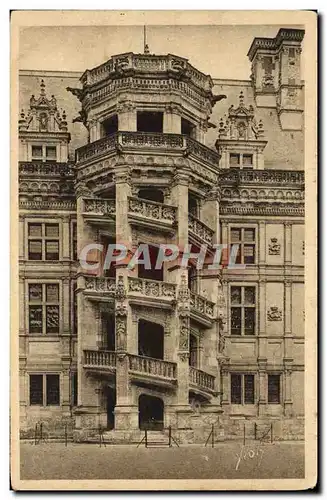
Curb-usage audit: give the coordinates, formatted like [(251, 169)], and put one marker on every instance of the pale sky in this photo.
[(220, 51)]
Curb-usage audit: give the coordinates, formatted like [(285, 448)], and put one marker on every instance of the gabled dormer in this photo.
[(43, 132), (241, 138)]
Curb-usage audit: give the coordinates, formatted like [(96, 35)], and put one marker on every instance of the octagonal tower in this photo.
[(148, 339)]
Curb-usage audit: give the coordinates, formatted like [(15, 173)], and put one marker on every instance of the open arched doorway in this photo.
[(150, 339), (151, 413)]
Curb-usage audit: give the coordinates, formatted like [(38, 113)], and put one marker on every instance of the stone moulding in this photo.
[(280, 209), (45, 204)]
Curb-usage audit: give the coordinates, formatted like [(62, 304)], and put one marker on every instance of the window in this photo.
[(43, 308), (51, 395), (149, 121), (274, 389), (187, 128), (73, 381), (245, 238), (36, 389), (242, 389), (43, 241), (44, 153), (243, 310), (238, 160), (234, 160)]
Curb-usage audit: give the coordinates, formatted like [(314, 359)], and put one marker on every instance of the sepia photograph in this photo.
[(163, 200)]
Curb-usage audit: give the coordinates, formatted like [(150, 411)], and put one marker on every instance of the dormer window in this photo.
[(239, 160), (44, 153)]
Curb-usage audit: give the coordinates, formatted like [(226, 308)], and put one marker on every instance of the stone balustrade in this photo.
[(141, 141), (152, 366), (152, 288), (46, 169), (152, 210), (201, 379), (278, 177), (100, 206), (93, 284), (101, 359), (202, 305), (200, 229)]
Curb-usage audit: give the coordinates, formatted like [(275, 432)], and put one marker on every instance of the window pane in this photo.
[(236, 321), (273, 388), (52, 319), (35, 230), (52, 250), (36, 389), (235, 294), (236, 389), (248, 254), (35, 292), (249, 234), (249, 389), (249, 295), (52, 293), (249, 319), (53, 395), (234, 160), (235, 235), (51, 152), (74, 389), (52, 230), (36, 151), (247, 161), (35, 250), (35, 319)]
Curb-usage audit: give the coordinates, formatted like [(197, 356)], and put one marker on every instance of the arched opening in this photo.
[(193, 205), (108, 332), (148, 270), (111, 403), (151, 413), (110, 125), (188, 128), (150, 339), (151, 194)]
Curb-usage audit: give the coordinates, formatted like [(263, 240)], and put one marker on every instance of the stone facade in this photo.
[(149, 150)]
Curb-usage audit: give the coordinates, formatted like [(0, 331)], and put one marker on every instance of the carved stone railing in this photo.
[(152, 288), (151, 210), (199, 229), (202, 379), (202, 305), (145, 141), (280, 209), (152, 366), (99, 206), (47, 205), (48, 169), (93, 284), (101, 359), (279, 177), (123, 65)]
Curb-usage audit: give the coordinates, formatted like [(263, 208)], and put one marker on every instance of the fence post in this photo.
[(169, 430), (271, 432), (244, 434), (35, 434), (255, 431), (212, 436), (41, 431), (66, 434), (146, 438)]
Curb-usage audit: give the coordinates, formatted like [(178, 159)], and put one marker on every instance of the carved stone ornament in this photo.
[(183, 292), (120, 289), (274, 314), (221, 343), (274, 247), (184, 332), (183, 356), (121, 327), (120, 310), (81, 189)]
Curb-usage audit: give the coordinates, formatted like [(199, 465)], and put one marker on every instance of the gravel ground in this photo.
[(89, 461)]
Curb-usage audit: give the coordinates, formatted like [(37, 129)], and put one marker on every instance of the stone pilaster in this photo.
[(66, 240), (172, 119)]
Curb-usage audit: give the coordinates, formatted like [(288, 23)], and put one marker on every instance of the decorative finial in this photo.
[(146, 46), (241, 99)]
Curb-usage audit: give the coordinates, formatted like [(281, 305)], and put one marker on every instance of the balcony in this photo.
[(100, 360), (150, 142), (202, 309), (201, 381), (199, 230), (151, 214), (158, 293), (99, 210), (143, 369), (100, 288)]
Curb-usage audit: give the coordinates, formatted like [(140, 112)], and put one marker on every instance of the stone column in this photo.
[(21, 241), (66, 306), (172, 120), (288, 402), (288, 340), (225, 388), (66, 248), (93, 130), (127, 117), (209, 213), (262, 347), (288, 243), (65, 389), (262, 389)]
